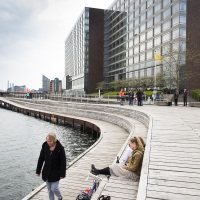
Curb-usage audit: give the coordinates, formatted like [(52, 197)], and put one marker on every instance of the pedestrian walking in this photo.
[(176, 95), (185, 95), (52, 155), (139, 97), (131, 97), (121, 96)]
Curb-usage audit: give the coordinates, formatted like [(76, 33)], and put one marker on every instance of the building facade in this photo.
[(45, 84), (84, 52), (133, 31), (55, 86)]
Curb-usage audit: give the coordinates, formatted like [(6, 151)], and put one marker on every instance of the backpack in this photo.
[(84, 195)]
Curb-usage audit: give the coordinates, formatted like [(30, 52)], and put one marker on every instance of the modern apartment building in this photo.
[(133, 30), (55, 86), (45, 84), (84, 52)]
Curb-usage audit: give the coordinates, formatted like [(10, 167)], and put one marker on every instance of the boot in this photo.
[(94, 170)]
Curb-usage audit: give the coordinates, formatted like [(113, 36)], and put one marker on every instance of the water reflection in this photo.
[(21, 142)]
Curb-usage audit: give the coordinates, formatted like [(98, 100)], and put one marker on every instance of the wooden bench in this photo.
[(163, 102)]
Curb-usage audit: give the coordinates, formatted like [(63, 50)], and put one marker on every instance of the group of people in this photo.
[(131, 97), (176, 96)]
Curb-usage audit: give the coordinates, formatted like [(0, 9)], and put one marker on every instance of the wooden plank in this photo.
[(169, 196)]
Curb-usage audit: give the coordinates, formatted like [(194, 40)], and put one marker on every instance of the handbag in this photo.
[(103, 197)]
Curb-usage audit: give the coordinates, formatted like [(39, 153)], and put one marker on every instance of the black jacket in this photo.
[(54, 162)]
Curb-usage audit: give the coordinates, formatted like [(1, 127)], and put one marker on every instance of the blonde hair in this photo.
[(137, 141), (142, 141), (52, 137)]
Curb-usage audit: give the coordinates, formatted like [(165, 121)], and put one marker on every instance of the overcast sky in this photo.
[(32, 38)]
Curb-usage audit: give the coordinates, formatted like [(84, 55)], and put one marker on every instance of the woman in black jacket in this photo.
[(53, 157)]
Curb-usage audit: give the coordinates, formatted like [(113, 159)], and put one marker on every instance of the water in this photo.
[(21, 139)]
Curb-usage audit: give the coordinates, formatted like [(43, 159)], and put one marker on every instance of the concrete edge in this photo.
[(142, 188)]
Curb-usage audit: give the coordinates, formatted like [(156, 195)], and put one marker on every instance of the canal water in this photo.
[(21, 139)]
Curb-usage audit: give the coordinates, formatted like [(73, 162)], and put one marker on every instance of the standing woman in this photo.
[(53, 157)]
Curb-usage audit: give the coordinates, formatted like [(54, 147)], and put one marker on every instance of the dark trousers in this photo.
[(105, 171), (139, 102), (185, 101), (176, 102)]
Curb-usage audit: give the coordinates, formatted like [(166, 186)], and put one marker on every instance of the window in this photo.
[(142, 37), (183, 32), (157, 7), (130, 52), (157, 19), (175, 20), (142, 57), (136, 40), (166, 37), (157, 41), (142, 27), (143, 7), (130, 61), (183, 19), (136, 31), (149, 12), (166, 2), (182, 6), (149, 44), (166, 25), (175, 33), (142, 47), (175, 8), (131, 26), (136, 21), (167, 13), (142, 17), (149, 55), (136, 50), (137, 12), (149, 23), (150, 34), (130, 43), (149, 3), (137, 2), (136, 59), (157, 30)]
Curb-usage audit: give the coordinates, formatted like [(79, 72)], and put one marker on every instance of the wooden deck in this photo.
[(171, 166)]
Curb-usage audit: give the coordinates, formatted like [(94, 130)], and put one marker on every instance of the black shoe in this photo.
[(94, 170), (117, 161)]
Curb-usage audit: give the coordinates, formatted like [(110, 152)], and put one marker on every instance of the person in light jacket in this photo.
[(52, 162), (131, 169)]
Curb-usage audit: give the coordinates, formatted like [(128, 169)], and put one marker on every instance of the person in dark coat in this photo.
[(53, 157), (176, 95), (131, 97), (185, 95), (139, 97)]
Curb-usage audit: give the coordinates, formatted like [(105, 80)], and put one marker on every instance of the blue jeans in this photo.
[(53, 188)]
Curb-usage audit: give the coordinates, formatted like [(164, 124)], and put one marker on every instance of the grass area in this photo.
[(111, 93)]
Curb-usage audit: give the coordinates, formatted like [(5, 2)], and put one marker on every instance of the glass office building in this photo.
[(135, 29), (84, 52)]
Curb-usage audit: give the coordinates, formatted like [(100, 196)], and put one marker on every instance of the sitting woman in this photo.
[(128, 152), (130, 170)]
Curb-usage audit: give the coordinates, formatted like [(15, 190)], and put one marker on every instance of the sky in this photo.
[(32, 38)]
